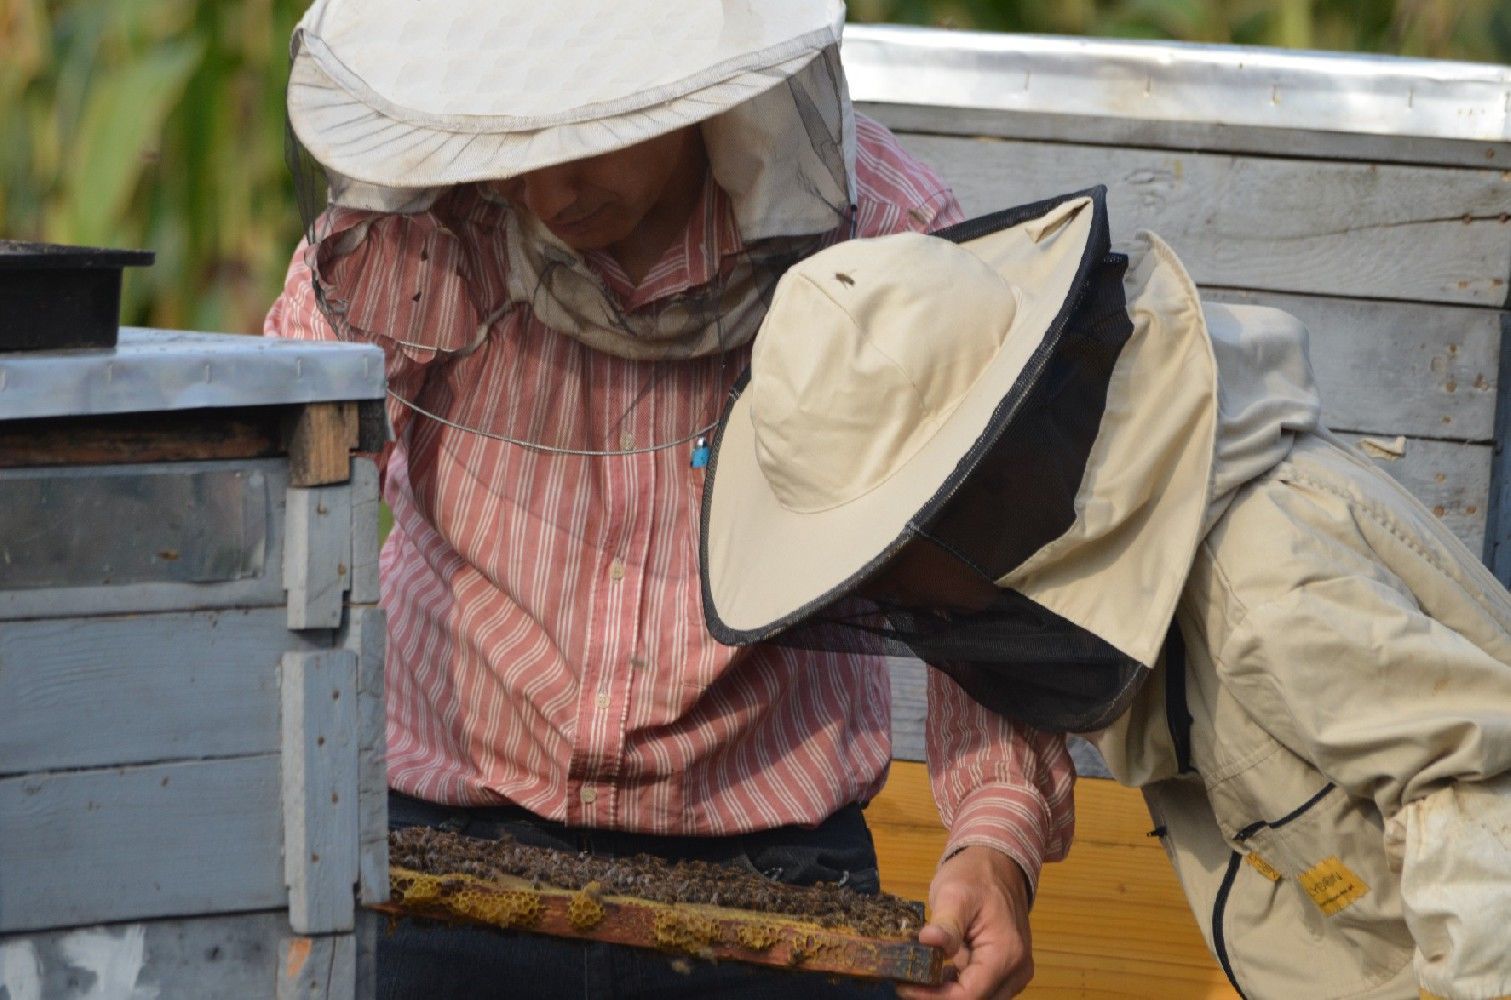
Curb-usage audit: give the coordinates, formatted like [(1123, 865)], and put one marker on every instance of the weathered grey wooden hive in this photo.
[(191, 712)]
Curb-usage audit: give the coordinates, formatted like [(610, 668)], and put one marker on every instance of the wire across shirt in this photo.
[(546, 640)]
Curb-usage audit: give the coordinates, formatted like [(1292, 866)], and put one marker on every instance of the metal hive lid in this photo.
[(1226, 85), (152, 370)]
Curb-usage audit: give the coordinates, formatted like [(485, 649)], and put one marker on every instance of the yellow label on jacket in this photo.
[(1332, 886), (1263, 867)]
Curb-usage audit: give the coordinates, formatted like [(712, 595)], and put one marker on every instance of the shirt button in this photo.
[(638, 662), (588, 794), (603, 699), (616, 570), (626, 441)]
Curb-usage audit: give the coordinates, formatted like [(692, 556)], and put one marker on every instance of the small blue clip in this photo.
[(700, 453)]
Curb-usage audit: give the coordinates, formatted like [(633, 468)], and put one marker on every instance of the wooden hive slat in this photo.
[(697, 930)]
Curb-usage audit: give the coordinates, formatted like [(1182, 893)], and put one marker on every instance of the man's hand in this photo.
[(978, 907)]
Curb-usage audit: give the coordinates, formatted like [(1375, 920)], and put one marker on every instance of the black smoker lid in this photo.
[(22, 255)]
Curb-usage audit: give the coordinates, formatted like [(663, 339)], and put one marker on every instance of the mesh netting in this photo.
[(526, 340), (1012, 655)]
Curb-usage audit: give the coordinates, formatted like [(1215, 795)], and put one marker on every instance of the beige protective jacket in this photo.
[(1345, 828)]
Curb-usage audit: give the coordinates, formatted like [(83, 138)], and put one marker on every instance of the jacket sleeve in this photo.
[(397, 281), (997, 783), (1398, 708)]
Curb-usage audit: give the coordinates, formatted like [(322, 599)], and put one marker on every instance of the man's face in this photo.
[(598, 202)]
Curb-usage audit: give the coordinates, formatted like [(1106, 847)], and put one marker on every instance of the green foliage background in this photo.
[(159, 123)]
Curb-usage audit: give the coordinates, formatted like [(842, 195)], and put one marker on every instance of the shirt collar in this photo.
[(696, 259)]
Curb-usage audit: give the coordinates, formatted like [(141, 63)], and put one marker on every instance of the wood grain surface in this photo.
[(1108, 922)]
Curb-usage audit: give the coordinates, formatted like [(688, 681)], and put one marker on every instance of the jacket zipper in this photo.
[(1219, 943), (1257, 825)]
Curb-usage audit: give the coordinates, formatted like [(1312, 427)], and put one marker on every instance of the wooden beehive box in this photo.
[(192, 798)]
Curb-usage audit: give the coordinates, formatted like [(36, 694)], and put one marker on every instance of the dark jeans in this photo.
[(459, 962)]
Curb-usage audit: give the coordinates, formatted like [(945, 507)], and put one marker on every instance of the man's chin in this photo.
[(593, 235)]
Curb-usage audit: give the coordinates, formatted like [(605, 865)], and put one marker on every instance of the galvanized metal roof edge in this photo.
[(1179, 82)]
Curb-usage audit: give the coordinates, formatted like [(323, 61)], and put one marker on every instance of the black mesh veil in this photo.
[(591, 373), (1011, 655)]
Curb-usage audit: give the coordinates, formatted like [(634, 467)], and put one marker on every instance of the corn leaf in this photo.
[(120, 127)]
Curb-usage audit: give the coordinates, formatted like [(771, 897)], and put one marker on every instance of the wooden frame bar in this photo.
[(706, 932)]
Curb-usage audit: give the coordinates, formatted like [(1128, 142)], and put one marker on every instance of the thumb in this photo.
[(943, 931)]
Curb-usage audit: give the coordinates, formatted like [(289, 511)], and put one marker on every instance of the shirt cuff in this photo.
[(1007, 818)]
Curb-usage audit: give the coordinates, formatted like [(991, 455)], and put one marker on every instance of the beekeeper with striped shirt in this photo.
[(563, 223)]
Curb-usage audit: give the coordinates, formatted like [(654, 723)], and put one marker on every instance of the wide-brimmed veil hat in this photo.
[(398, 99), (402, 112), (1010, 389)]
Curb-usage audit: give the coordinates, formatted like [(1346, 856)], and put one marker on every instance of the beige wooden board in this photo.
[(321, 442), (908, 708), (370, 926), (365, 634), (372, 426), (1350, 230), (1205, 136), (317, 554), (321, 967), (365, 543), (236, 957), (1396, 367), (320, 793), (1498, 527), (1452, 480), (262, 589), (1109, 922), (133, 843), (152, 688)]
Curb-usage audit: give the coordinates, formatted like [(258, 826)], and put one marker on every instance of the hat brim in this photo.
[(407, 96), (391, 150), (766, 567)]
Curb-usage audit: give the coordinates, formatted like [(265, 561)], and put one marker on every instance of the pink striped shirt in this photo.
[(546, 639)]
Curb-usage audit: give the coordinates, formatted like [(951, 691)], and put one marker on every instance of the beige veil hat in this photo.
[(399, 99), (1042, 407), (397, 108), (804, 499)]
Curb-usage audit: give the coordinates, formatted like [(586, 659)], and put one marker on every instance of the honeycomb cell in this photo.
[(757, 937), (585, 911), (422, 889), (686, 932)]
